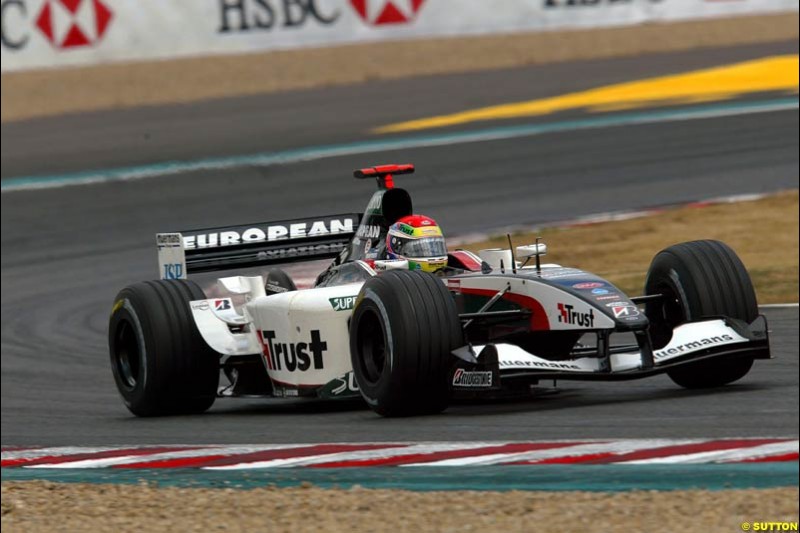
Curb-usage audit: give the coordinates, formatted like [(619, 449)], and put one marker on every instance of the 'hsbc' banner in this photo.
[(59, 33)]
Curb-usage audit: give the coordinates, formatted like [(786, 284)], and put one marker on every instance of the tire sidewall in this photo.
[(671, 269), (700, 277), (371, 391), (178, 373), (420, 327), (125, 312), (667, 269)]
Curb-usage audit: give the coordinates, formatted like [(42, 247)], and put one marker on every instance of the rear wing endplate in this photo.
[(288, 241)]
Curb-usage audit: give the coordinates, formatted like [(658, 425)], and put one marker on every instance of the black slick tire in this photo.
[(403, 328), (700, 279), (161, 364)]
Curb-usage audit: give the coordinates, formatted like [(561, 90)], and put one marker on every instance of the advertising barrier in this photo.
[(62, 33)]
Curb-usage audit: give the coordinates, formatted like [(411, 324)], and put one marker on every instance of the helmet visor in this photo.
[(425, 247)]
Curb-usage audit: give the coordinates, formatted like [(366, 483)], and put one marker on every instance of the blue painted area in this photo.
[(608, 478), (396, 143)]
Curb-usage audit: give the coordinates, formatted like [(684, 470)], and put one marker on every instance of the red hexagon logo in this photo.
[(73, 23), (384, 12)]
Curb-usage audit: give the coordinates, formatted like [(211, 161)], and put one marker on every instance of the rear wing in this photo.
[(267, 243), (383, 174)]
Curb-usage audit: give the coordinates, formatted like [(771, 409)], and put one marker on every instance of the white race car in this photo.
[(408, 341)]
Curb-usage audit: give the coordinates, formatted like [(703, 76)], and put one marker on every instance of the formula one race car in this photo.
[(409, 341)]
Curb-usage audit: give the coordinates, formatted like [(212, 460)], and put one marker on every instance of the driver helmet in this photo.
[(419, 240)]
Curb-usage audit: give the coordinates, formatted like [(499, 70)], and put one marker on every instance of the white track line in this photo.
[(54, 451), (133, 459), (400, 450), (574, 449), (763, 451), (618, 446), (392, 450), (715, 456)]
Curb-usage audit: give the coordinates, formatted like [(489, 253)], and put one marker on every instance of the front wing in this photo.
[(495, 365)]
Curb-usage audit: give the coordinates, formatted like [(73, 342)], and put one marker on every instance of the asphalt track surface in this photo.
[(66, 251)]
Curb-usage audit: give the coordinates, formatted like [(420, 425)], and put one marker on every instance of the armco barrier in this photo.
[(60, 33)]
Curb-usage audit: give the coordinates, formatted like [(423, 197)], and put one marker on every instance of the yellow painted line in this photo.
[(777, 73)]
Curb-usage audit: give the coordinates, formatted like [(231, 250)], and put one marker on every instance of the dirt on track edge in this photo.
[(38, 506), (57, 91), (771, 259)]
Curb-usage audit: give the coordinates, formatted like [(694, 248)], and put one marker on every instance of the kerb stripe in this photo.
[(423, 458)]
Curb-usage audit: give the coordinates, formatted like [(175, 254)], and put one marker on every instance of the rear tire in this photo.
[(161, 364), (700, 279), (402, 331)]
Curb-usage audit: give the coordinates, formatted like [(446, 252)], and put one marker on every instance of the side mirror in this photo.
[(494, 256), (530, 250)]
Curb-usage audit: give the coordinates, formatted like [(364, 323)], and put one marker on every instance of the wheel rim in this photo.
[(127, 355), (671, 308), (371, 347), (665, 315)]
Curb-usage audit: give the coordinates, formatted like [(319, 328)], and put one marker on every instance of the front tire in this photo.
[(161, 364), (700, 279), (402, 331)]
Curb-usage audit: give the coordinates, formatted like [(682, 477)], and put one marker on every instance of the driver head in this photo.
[(419, 240)]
